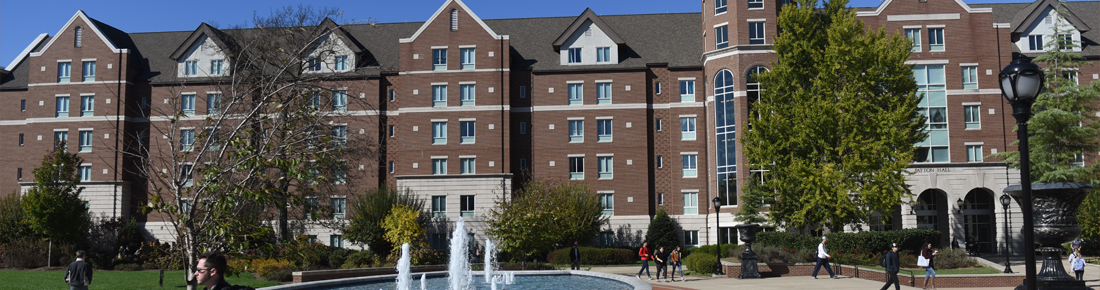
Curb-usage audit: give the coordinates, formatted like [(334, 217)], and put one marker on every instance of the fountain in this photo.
[(489, 259), (404, 281), (459, 275)]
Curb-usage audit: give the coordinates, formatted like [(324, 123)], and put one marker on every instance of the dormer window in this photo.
[(216, 67), (603, 54), (1035, 42), (454, 19), (78, 35), (341, 63), (191, 68), (314, 65), (575, 55)]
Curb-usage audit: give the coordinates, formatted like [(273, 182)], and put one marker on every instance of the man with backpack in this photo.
[(892, 262)]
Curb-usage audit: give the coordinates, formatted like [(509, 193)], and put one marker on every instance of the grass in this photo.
[(22, 279)]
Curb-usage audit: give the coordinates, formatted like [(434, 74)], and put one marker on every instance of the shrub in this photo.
[(304, 254), (909, 240), (33, 252), (150, 266), (128, 267), (280, 270), (728, 250), (12, 227), (594, 256), (526, 267), (427, 257), (359, 259), (953, 259), (701, 262), (773, 254), (337, 257)]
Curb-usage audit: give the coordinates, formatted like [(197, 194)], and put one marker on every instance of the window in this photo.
[(22, 105), (575, 55), (691, 203), (603, 54), (213, 138), (603, 93), (467, 58), (468, 95), (523, 164), (1079, 159), (603, 130), (314, 65), (522, 92), (439, 132), (1070, 75), (973, 153), (756, 4), (19, 173), (311, 206), (687, 128), (931, 84), (690, 165), (60, 137), (187, 139), (186, 179), (935, 39), (466, 206), (340, 63), (576, 94), (191, 68), (467, 134), (660, 161), (187, 105), (469, 165), (607, 203), (339, 175), (454, 19), (20, 139), (85, 141), (340, 100), (576, 130), (391, 167), (439, 206), (657, 88), (576, 168), (62, 106), (658, 124), (607, 239), (970, 77), (87, 106), (339, 135), (756, 32), (439, 59), (721, 36), (88, 71), (972, 117), (216, 66), (687, 91), (336, 241), (439, 96), (85, 173), (727, 235), (752, 92), (914, 36), (1065, 42), (1035, 42), (606, 167), (63, 71), (78, 36), (439, 166), (719, 6), (522, 128), (214, 104), (660, 199)]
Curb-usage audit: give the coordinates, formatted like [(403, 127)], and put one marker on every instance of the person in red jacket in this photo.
[(645, 254)]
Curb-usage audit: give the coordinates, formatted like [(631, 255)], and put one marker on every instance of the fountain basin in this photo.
[(524, 280)]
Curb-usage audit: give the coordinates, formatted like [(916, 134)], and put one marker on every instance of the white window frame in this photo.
[(687, 91), (439, 166), (974, 153), (468, 57), (439, 132), (340, 63), (691, 202), (970, 77), (85, 172), (213, 103), (88, 71), (603, 54), (688, 128), (604, 130), (972, 116), (466, 205), (439, 59), (721, 36), (575, 54), (468, 131), (607, 202), (217, 67), (439, 95), (187, 104), (87, 106), (576, 167), (468, 94), (576, 94), (576, 131), (467, 165), (603, 93), (689, 164), (720, 6), (62, 106), (936, 41), (756, 32), (439, 206), (340, 100), (85, 139), (605, 167), (187, 139), (913, 34)]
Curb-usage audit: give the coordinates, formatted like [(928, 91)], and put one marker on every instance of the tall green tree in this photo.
[(544, 216), (1064, 126), (836, 121), (53, 206), (369, 212), (663, 232)]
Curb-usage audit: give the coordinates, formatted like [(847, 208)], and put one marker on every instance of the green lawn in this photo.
[(18, 280)]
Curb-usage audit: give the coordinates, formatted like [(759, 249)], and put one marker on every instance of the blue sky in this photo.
[(23, 20)]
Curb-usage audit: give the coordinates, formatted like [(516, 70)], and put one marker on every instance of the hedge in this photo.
[(701, 263), (595, 256), (728, 250), (909, 240)]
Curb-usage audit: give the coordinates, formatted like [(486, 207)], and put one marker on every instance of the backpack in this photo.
[(883, 262)]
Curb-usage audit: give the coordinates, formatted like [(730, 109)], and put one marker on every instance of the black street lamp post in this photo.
[(1005, 200), (1021, 82), (717, 201)]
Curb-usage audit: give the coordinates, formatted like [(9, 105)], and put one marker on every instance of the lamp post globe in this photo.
[(717, 201), (1005, 200), (1020, 83)]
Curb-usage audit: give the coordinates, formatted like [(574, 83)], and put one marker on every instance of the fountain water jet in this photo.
[(404, 281), (489, 259), (459, 276)]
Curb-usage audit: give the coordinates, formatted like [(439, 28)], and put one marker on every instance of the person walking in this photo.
[(674, 262), (1075, 245), (79, 274), (575, 257), (662, 263), (1078, 264), (823, 259), (644, 254), (210, 272), (929, 273), (893, 265)]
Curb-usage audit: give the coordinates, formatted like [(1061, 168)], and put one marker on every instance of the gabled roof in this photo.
[(223, 40), (115, 39), (440, 12), (328, 26), (1032, 12), (38, 41), (587, 15)]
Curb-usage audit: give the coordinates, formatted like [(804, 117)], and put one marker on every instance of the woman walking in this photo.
[(674, 259), (929, 273)]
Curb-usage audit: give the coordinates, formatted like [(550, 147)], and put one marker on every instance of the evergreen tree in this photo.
[(663, 232), (837, 120), (53, 206)]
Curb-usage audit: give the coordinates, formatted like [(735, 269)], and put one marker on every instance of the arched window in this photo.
[(79, 34), (725, 133), (454, 19), (752, 92)]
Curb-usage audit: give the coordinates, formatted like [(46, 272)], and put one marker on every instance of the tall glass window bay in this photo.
[(725, 107), (932, 85)]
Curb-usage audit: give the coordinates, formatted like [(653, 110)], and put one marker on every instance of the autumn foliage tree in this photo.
[(544, 216)]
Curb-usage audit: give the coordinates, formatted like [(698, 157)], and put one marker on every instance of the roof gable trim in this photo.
[(26, 51), (886, 3), (91, 25), (203, 30), (440, 12), (588, 15), (1033, 16)]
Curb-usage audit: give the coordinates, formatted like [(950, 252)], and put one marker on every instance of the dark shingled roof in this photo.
[(1087, 11)]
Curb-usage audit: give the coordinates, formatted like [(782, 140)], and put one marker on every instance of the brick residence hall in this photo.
[(608, 99)]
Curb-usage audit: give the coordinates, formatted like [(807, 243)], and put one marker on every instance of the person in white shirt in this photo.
[(823, 259)]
